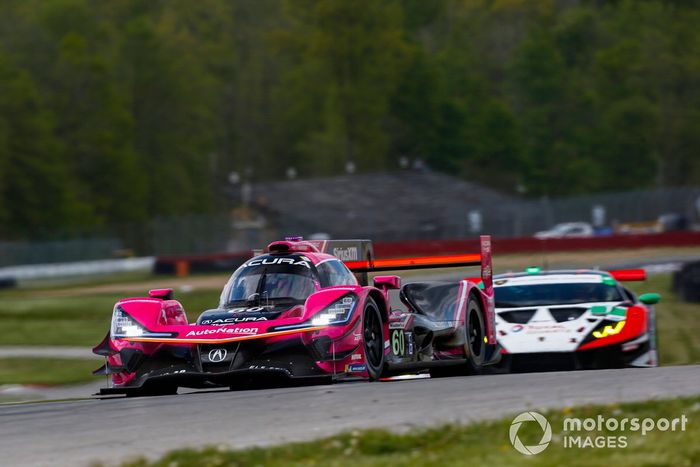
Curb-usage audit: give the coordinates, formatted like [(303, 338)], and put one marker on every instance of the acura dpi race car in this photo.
[(296, 312), (574, 319)]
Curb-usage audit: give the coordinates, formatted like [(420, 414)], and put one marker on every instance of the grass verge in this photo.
[(46, 371), (484, 443)]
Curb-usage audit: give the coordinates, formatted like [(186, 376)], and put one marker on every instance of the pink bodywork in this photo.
[(160, 314)]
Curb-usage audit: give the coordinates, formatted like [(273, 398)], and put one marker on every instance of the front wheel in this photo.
[(373, 336)]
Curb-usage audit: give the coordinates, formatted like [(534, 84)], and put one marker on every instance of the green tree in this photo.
[(37, 191), (130, 109), (350, 57), (95, 127), (172, 136)]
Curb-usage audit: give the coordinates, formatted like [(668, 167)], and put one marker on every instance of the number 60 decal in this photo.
[(398, 342)]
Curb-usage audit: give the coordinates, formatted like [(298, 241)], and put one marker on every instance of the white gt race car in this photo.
[(577, 319)]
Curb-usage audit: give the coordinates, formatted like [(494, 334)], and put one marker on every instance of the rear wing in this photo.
[(482, 259), (346, 250), (625, 275), (420, 262)]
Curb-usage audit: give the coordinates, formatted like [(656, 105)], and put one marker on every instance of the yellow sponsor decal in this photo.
[(609, 330)]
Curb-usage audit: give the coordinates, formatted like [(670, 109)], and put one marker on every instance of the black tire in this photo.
[(475, 347), (373, 339)]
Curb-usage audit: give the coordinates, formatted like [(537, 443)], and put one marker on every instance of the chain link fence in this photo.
[(608, 210), (519, 218)]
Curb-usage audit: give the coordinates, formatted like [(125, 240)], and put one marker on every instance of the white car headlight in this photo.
[(124, 325), (337, 312)]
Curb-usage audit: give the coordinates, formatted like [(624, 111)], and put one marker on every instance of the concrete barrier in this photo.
[(75, 269)]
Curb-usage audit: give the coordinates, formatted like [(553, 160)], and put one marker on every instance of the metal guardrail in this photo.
[(76, 269)]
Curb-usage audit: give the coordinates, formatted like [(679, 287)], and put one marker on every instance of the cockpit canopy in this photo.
[(276, 279)]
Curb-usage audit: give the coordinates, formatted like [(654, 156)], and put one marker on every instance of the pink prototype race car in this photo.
[(297, 313)]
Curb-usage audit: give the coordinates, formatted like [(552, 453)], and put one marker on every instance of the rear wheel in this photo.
[(474, 346), (476, 332), (373, 337)]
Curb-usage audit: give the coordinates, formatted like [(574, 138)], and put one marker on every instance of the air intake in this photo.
[(562, 315), (517, 316), (287, 247)]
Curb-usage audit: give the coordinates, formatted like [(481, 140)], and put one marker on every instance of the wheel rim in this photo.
[(373, 338), (475, 334)]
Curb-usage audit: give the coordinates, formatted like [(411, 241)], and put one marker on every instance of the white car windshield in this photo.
[(555, 294)]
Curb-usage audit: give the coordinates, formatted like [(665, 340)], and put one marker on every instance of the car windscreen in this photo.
[(259, 284), (555, 294)]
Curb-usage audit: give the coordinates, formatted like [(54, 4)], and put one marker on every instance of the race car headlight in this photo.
[(124, 325), (338, 312)]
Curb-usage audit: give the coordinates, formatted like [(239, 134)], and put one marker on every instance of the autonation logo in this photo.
[(588, 432)]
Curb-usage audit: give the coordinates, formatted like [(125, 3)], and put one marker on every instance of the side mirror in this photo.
[(650, 298), (387, 282)]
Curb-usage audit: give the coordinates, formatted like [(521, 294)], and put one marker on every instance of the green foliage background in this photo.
[(124, 110)]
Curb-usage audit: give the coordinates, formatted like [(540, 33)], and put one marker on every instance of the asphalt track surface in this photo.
[(79, 432)]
